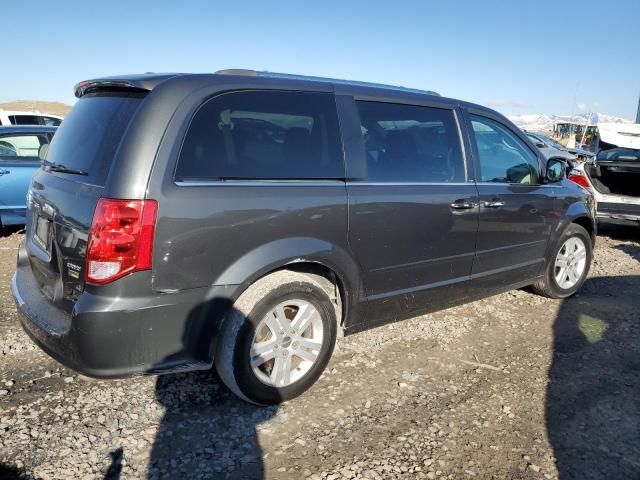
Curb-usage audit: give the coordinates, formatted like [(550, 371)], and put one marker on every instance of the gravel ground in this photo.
[(514, 386)]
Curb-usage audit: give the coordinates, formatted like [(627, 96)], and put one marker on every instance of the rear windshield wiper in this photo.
[(57, 167)]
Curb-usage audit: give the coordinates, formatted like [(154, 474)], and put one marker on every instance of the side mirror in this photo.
[(556, 168)]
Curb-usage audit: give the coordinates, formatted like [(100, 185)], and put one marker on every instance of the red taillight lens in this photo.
[(121, 239), (576, 176)]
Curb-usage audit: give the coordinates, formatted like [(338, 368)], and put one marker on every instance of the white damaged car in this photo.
[(613, 177)]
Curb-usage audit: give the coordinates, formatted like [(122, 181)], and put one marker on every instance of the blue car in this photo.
[(21, 148)]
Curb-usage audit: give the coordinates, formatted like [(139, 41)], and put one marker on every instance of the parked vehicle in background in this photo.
[(551, 148), (16, 117), (614, 176), (242, 218), (20, 150), (572, 134)]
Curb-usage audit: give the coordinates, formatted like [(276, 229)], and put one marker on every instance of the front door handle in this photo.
[(493, 204), (463, 205), (4, 172)]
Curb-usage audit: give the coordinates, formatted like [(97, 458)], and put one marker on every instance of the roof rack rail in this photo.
[(255, 73)]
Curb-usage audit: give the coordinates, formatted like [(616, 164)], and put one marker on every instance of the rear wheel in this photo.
[(278, 338), (567, 269)]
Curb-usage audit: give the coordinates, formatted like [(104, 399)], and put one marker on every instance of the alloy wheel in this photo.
[(570, 263), (286, 343)]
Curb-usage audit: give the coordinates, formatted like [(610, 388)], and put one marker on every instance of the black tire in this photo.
[(548, 286), (232, 356)]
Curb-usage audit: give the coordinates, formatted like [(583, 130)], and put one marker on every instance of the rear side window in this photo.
[(88, 138), (24, 119), (263, 135), (408, 143), (22, 147)]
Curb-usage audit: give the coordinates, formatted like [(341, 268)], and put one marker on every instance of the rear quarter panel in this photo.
[(232, 233), (572, 204)]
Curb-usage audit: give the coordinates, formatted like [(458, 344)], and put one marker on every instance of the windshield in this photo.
[(620, 154), (91, 133)]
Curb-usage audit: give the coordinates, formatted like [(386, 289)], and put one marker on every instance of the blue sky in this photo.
[(518, 57)]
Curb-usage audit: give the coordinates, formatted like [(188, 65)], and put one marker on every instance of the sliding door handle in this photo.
[(493, 204)]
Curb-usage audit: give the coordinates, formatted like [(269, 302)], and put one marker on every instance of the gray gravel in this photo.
[(506, 387)]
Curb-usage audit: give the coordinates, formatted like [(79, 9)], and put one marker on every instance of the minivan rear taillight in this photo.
[(120, 239)]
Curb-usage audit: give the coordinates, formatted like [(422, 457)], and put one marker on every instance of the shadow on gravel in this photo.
[(619, 232), (207, 431), (9, 472), (8, 231), (592, 406), (632, 250), (113, 472)]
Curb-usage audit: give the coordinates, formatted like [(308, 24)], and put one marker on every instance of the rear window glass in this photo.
[(91, 133), (24, 119), (263, 135)]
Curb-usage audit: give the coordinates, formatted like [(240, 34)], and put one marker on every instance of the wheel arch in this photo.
[(588, 224), (324, 260), (578, 212)]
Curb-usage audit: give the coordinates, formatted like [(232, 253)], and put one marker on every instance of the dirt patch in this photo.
[(53, 108)]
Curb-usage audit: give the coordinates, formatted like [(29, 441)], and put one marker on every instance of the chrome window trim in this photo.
[(409, 184), (463, 150), (327, 183), (258, 183), (537, 185)]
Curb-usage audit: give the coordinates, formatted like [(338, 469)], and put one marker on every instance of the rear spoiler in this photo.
[(90, 86), (127, 83)]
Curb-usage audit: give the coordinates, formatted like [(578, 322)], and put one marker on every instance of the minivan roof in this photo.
[(148, 81)]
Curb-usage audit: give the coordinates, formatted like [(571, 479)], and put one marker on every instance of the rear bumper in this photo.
[(623, 213), (619, 219), (116, 332)]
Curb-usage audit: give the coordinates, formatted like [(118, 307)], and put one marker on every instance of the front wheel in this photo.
[(567, 269), (278, 338)]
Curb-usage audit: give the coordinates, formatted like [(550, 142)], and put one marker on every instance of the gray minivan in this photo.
[(245, 219)]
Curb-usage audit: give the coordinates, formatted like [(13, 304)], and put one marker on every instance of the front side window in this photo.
[(22, 146), (263, 135), (408, 143), (503, 156)]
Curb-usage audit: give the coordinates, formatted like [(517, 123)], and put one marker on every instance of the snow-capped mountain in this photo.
[(543, 122)]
